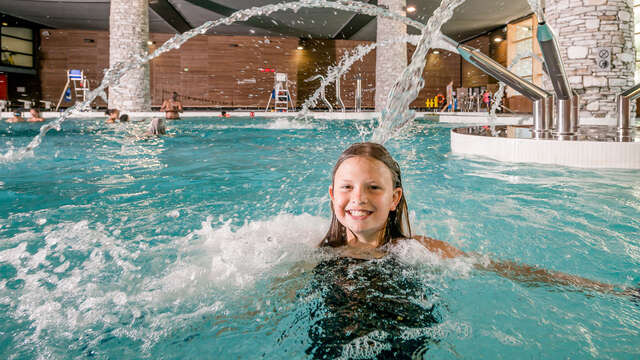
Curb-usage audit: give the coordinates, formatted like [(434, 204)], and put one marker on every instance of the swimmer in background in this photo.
[(224, 114), (370, 214), (172, 107), (124, 118), (156, 127), (35, 115), (113, 114), (17, 117)]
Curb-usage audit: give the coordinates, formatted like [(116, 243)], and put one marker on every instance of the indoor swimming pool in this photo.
[(203, 244)]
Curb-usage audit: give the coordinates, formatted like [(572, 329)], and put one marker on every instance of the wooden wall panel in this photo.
[(207, 71), (224, 71), (319, 54), (441, 68), (71, 49), (471, 75)]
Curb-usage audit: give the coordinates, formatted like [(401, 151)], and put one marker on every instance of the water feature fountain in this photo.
[(555, 137)]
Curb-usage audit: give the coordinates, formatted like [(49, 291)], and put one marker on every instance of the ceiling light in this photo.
[(411, 8), (186, 69), (497, 39), (149, 42), (5, 24), (300, 48), (436, 52)]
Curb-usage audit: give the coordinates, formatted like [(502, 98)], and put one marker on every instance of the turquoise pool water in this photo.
[(201, 244)]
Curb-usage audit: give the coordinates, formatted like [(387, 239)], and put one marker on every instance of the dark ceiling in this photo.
[(176, 16)]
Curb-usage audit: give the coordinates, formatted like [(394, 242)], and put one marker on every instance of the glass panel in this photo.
[(523, 30), (636, 17), (523, 68), (22, 33), (16, 59), (524, 46), (637, 45), (12, 44), (637, 72)]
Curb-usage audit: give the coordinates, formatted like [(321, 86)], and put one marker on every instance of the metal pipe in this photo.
[(529, 90), (553, 62), (574, 120), (624, 100), (539, 116), (358, 96), (563, 127), (549, 114), (493, 68), (322, 94), (338, 93)]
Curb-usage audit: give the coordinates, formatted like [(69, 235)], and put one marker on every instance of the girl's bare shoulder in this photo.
[(440, 247)]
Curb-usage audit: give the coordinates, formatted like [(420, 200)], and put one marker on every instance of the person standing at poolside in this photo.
[(486, 99), (172, 107), (17, 117), (35, 115)]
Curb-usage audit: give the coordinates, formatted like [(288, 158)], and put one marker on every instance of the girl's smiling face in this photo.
[(362, 194)]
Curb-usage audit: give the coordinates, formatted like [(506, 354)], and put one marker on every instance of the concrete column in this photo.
[(390, 59), (584, 29), (128, 36)]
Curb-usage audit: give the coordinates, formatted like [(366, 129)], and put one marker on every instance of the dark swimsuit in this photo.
[(383, 298)]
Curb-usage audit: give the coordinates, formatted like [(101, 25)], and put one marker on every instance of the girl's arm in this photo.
[(526, 274), (533, 276)]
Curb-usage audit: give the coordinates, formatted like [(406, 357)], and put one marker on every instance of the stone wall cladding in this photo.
[(390, 59), (128, 36), (583, 26)]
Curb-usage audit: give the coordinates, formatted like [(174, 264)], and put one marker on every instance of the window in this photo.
[(521, 37), (16, 46)]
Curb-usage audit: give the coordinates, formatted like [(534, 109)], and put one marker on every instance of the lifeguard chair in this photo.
[(78, 85), (280, 94)]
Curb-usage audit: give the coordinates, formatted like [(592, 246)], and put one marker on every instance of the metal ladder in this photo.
[(280, 94), (281, 102)]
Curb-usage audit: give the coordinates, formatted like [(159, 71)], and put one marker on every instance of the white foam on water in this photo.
[(439, 269), (14, 155), (366, 347), (61, 293), (277, 124), (83, 278), (227, 257), (286, 123)]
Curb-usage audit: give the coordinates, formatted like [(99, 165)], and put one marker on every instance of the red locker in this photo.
[(3, 87)]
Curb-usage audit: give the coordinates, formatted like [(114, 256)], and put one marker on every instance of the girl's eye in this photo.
[(347, 187), (375, 187)]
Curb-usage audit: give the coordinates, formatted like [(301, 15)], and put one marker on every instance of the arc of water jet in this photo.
[(344, 65), (114, 73), (397, 115), (499, 94)]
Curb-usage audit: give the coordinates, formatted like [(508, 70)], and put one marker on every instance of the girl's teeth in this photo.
[(358, 213)]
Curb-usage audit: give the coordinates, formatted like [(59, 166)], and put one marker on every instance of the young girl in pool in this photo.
[(369, 213)]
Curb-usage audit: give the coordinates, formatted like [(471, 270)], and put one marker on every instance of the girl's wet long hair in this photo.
[(398, 221)]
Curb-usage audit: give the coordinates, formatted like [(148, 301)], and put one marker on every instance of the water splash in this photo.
[(397, 116), (116, 72), (537, 8), (499, 94), (343, 66)]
